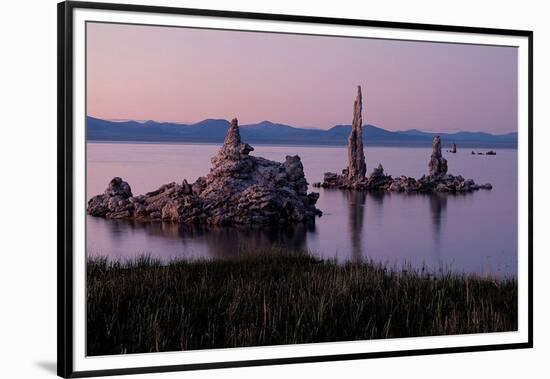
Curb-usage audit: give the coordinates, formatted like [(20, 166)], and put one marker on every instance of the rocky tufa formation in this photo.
[(437, 165), (438, 180), (357, 167), (239, 190), (353, 177), (354, 174), (490, 152), (453, 149)]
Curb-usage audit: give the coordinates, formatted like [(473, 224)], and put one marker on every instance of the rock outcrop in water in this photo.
[(354, 174), (357, 167), (453, 148), (353, 177), (239, 190), (490, 152), (438, 180), (437, 165)]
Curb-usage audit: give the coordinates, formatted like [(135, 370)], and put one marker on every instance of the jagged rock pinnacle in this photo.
[(232, 147), (437, 165), (353, 177), (356, 157)]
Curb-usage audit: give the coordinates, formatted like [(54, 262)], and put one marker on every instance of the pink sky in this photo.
[(187, 75)]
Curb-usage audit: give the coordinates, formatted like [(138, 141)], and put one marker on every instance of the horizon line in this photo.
[(187, 123)]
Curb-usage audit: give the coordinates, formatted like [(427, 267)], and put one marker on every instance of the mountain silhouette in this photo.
[(267, 132)]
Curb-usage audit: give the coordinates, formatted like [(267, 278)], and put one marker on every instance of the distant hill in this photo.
[(267, 132)]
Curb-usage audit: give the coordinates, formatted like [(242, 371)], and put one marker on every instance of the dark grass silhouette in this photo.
[(276, 298)]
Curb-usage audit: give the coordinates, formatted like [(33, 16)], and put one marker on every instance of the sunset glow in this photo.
[(187, 75)]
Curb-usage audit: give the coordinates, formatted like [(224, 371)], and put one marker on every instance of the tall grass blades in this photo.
[(280, 298)]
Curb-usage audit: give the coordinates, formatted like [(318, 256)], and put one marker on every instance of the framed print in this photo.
[(240, 189)]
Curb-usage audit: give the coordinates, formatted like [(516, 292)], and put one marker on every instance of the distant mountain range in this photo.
[(266, 132)]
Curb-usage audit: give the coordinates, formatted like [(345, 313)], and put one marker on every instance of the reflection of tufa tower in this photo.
[(438, 208), (356, 201), (356, 157)]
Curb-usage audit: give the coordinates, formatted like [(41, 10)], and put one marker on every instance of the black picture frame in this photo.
[(65, 185)]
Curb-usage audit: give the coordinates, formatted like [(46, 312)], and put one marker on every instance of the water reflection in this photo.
[(356, 201), (438, 207), (214, 243), (466, 233)]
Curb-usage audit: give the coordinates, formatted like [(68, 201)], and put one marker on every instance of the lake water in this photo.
[(472, 233)]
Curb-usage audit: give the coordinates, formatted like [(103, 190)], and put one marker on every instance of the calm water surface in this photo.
[(473, 233)]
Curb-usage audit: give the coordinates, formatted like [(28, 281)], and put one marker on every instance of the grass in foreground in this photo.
[(277, 298)]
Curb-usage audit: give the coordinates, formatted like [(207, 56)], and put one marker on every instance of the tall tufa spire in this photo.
[(356, 156), (437, 165)]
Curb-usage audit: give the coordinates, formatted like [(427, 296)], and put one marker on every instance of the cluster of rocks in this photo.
[(490, 152), (239, 190), (353, 177)]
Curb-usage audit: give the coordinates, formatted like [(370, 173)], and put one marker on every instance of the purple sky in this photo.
[(186, 75)]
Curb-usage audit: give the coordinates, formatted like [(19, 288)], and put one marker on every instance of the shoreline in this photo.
[(464, 147)]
